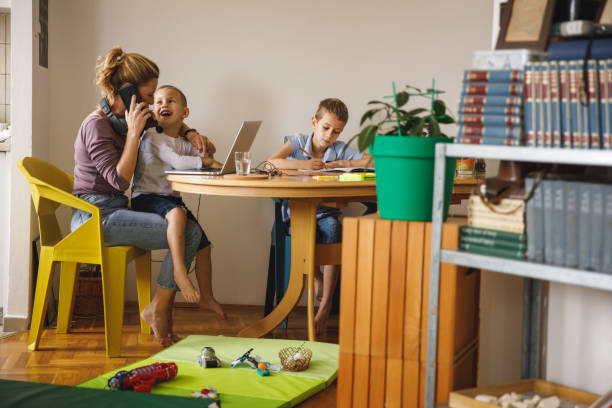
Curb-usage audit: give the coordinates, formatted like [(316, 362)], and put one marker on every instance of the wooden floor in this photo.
[(70, 359)]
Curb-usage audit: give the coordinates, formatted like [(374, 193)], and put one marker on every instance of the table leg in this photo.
[(303, 231)]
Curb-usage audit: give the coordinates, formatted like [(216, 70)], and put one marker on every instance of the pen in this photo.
[(306, 153)]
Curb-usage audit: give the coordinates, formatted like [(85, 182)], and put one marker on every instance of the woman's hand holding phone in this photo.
[(136, 117)]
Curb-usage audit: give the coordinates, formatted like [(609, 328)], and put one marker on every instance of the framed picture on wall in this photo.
[(604, 14), (498, 11), (526, 24)]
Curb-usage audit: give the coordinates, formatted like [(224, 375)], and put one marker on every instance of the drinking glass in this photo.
[(243, 163)]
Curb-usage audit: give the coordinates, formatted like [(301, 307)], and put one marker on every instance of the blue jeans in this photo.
[(123, 226)]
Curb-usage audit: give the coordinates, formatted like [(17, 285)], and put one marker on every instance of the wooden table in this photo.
[(304, 194)]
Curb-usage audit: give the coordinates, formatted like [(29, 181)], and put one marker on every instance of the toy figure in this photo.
[(208, 359), (262, 369), (141, 379), (210, 397)]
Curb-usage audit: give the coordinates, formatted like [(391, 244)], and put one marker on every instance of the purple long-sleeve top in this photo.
[(97, 150)]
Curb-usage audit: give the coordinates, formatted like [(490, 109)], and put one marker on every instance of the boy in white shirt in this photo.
[(162, 149)]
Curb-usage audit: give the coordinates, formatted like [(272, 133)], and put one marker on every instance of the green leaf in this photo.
[(377, 102), (433, 129), (417, 128), (446, 119), (439, 107), (368, 115), (416, 111), (401, 98), (366, 137)]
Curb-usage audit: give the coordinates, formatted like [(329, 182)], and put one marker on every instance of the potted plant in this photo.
[(403, 145)]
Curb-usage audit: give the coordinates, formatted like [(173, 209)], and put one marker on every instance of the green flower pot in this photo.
[(405, 176)]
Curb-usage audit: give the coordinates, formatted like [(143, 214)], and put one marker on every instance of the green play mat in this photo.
[(240, 387)]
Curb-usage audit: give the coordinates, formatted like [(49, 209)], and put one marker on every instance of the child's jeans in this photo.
[(162, 205), (123, 226)]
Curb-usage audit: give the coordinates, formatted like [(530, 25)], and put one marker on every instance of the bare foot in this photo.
[(158, 320), (321, 318), (212, 305), (188, 291), (172, 337)]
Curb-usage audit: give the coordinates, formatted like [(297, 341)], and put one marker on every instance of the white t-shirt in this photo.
[(159, 152)]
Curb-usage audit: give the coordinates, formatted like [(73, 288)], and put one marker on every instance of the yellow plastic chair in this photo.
[(50, 188)]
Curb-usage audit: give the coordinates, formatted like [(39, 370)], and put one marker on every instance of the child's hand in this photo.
[(211, 162), (314, 164), (338, 163)]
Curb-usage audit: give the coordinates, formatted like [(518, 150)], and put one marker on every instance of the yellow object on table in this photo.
[(357, 176)]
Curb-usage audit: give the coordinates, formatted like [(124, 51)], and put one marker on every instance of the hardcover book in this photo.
[(555, 103), (508, 75), (574, 111), (597, 225), (492, 89), (492, 251), (584, 225), (606, 264), (572, 197), (547, 199), (488, 242), (558, 222), (564, 93), (491, 131), (528, 93), (593, 106), (604, 114), (601, 48), (490, 140), (530, 221), (545, 107), (492, 234), (495, 120), (487, 100)]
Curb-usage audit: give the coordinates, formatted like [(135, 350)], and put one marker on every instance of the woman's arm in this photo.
[(136, 119), (279, 159)]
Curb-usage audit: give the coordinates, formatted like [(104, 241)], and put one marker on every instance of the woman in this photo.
[(106, 150)]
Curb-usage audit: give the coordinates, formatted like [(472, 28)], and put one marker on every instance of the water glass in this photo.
[(243, 163)]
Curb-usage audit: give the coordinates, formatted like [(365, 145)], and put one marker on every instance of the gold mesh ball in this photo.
[(295, 358)]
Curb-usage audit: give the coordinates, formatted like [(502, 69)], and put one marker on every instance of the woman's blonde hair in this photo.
[(117, 67)]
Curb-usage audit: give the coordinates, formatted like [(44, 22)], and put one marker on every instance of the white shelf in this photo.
[(532, 154), (526, 269)]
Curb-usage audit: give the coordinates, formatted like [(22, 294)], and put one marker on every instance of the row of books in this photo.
[(569, 223), (496, 230), (491, 242), (490, 110), (568, 104)]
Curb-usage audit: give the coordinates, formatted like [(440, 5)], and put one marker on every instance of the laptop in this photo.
[(242, 143)]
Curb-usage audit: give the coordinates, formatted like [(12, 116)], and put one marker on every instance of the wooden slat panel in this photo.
[(346, 331), (363, 311), (380, 293), (412, 312)]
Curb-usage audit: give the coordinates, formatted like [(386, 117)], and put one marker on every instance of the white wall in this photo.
[(273, 61)]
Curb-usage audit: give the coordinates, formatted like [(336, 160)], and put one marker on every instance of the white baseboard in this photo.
[(14, 323)]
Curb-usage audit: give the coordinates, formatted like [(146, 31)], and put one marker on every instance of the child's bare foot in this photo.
[(172, 337), (321, 318), (188, 291), (158, 320), (212, 305)]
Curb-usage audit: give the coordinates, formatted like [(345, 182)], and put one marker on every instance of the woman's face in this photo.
[(147, 90)]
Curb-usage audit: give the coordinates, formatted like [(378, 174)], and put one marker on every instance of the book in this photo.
[(492, 251), (518, 217), (547, 200), (538, 129), (488, 100), (545, 108), (530, 225), (489, 110), (538, 216), (528, 94), (491, 131), (492, 234), (574, 111), (558, 222), (604, 114), (601, 48), (572, 195), (596, 227), (584, 225), (488, 242), (593, 106), (515, 205), (555, 103), (564, 118), (492, 89), (609, 99), (495, 120), (518, 228), (606, 263), (504, 75), (491, 141)]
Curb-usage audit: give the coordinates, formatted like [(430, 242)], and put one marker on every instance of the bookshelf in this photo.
[(519, 268)]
